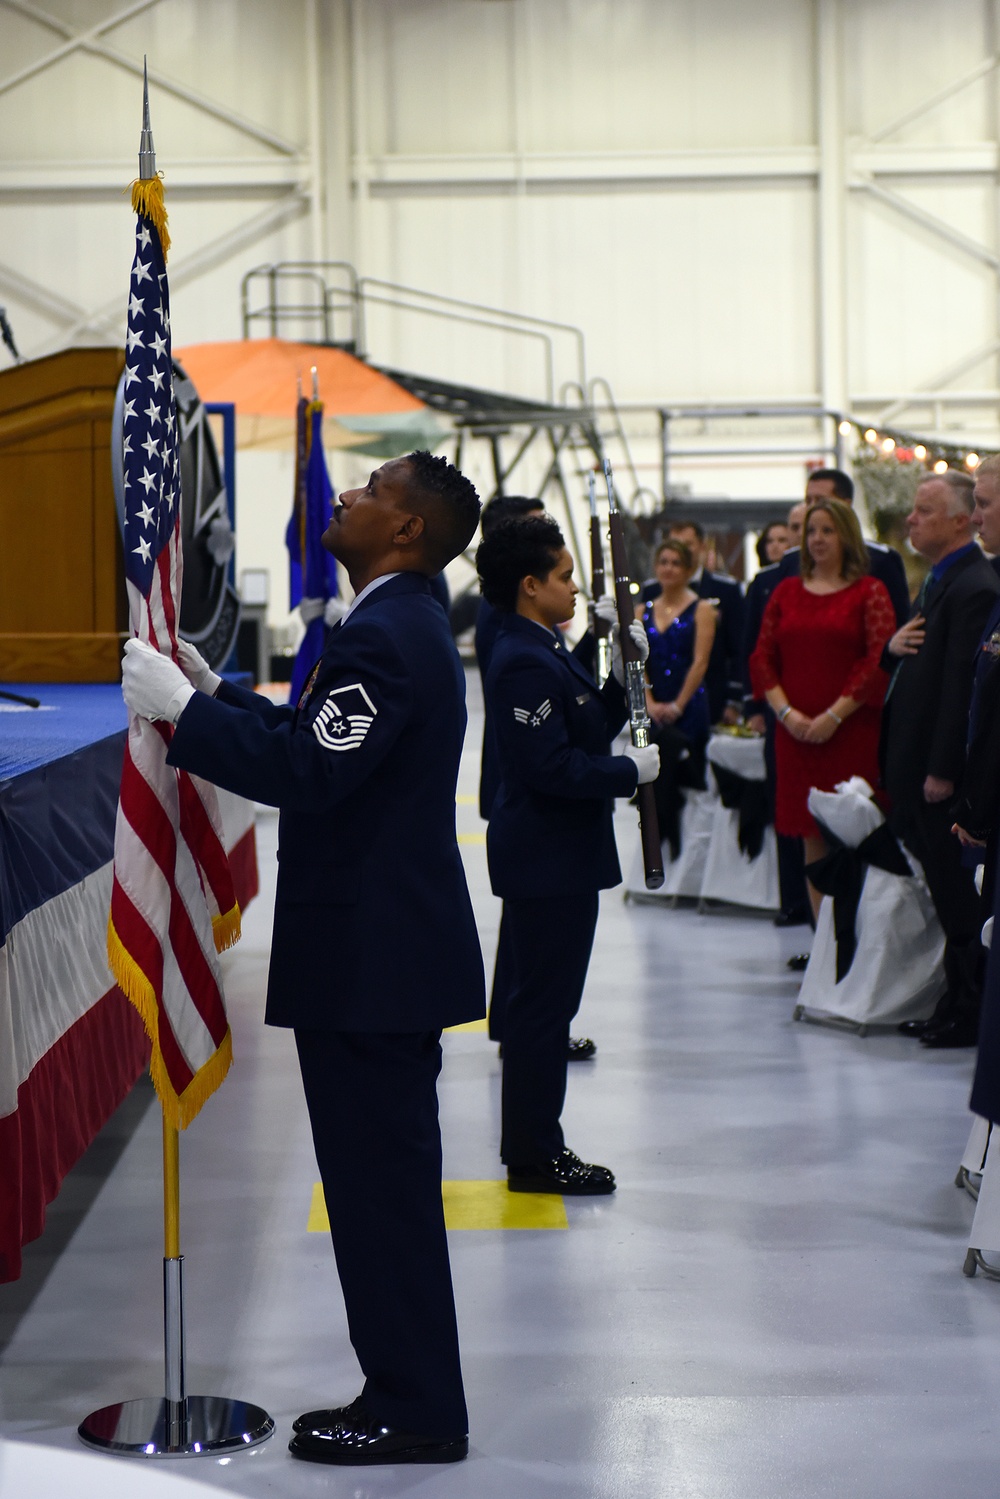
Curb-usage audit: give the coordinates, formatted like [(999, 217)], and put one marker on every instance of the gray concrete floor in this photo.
[(771, 1305)]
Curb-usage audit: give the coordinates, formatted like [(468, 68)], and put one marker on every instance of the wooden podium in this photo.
[(63, 613)]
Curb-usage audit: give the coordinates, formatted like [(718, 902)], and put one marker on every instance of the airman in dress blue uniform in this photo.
[(375, 947), (550, 842)]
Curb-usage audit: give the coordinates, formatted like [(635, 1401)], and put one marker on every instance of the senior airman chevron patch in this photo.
[(534, 720), (345, 718)]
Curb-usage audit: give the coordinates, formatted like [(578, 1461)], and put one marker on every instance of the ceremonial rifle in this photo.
[(635, 687), (598, 586)]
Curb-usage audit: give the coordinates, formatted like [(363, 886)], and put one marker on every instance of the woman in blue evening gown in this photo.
[(680, 627)]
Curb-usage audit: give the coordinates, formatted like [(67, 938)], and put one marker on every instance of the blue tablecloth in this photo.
[(72, 715)]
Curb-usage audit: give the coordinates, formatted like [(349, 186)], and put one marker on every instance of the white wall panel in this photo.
[(917, 303), (646, 169), (644, 74), (901, 52)]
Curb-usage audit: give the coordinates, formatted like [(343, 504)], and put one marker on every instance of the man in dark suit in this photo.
[(375, 947), (884, 562), (925, 728), (724, 677), (977, 812)]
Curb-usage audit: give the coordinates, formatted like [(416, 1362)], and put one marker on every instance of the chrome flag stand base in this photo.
[(178, 1424), (160, 1428)]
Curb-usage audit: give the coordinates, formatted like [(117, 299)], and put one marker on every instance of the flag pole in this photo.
[(179, 1424)]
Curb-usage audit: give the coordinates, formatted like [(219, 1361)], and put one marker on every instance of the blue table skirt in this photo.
[(60, 770)]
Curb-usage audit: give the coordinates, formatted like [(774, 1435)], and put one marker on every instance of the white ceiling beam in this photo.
[(75, 39), (39, 298), (399, 172), (917, 112), (930, 221), (112, 316), (216, 174), (933, 390), (90, 41), (404, 171)]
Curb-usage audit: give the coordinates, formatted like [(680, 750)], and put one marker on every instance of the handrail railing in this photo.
[(351, 299)]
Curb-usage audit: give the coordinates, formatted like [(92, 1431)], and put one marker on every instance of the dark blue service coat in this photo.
[(373, 925), (551, 826)]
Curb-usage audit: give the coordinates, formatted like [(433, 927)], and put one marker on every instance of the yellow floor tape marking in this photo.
[(470, 1025), (479, 1205), (472, 837)]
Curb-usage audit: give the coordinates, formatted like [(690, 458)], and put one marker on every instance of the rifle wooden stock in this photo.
[(635, 687)]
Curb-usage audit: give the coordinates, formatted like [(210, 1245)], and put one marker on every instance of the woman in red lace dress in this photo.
[(817, 663)]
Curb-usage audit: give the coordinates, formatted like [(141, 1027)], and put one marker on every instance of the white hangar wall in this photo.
[(790, 205)]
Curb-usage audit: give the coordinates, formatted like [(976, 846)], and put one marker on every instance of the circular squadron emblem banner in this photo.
[(210, 608)]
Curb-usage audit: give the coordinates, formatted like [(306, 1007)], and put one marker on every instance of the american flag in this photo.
[(172, 905)]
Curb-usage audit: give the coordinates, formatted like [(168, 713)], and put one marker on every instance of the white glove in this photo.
[(196, 669), (646, 762), (605, 608), (335, 609), (638, 637), (311, 609), (152, 685)]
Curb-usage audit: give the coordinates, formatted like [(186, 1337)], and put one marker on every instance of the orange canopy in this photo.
[(260, 376)]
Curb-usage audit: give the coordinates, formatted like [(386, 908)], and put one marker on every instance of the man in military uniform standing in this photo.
[(375, 948)]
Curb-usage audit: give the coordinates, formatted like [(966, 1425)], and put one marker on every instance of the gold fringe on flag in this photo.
[(147, 199), (226, 929), (179, 1109)]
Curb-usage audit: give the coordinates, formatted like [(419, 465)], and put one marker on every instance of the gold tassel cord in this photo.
[(179, 1109), (147, 199), (226, 929)]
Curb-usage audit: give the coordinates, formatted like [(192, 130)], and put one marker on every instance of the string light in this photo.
[(871, 435), (941, 467), (888, 444), (920, 452), (972, 460), (845, 429)]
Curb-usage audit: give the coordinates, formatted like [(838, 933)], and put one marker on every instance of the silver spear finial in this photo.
[(147, 151)]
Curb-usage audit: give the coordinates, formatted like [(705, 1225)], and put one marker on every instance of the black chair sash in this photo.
[(842, 872), (753, 802)]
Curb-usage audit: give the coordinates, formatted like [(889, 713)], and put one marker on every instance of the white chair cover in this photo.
[(898, 968), (684, 875), (985, 1231), (974, 1155), (729, 875)]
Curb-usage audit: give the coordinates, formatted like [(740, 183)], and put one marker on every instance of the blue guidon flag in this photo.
[(173, 905)]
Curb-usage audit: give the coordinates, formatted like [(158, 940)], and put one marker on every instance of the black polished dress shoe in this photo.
[(581, 1049), (798, 962), (916, 1028), (350, 1437), (793, 918), (567, 1175), (951, 1033)]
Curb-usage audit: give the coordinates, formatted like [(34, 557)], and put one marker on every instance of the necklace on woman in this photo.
[(667, 612)]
